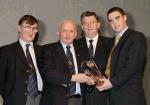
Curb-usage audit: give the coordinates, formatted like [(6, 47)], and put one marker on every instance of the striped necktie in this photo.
[(91, 49), (72, 70), (32, 85)]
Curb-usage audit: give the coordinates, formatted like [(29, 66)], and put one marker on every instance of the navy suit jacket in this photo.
[(128, 59), (14, 73), (91, 95), (57, 74)]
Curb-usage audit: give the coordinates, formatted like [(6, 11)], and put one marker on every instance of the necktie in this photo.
[(91, 49), (72, 70), (107, 71), (32, 85)]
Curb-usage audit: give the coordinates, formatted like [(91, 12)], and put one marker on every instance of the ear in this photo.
[(99, 25), (75, 36), (18, 28), (125, 17), (82, 27)]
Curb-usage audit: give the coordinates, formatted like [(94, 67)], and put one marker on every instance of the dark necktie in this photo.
[(32, 85), (72, 70), (91, 49)]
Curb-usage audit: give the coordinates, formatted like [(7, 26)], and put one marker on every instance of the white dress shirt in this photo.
[(95, 39), (78, 89), (31, 49)]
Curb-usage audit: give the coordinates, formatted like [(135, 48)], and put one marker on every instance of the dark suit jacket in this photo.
[(14, 73), (103, 48), (57, 74), (128, 59)]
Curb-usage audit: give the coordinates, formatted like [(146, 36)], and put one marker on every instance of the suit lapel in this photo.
[(85, 49), (20, 53), (117, 49), (36, 51), (78, 56), (61, 52), (98, 47)]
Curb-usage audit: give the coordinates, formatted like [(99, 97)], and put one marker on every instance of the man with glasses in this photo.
[(20, 79)]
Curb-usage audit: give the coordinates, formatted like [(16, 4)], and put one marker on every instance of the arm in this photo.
[(134, 62), (132, 65)]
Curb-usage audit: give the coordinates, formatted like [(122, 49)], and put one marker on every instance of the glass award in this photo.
[(91, 69)]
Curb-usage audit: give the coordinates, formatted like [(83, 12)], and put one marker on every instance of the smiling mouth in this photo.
[(90, 29)]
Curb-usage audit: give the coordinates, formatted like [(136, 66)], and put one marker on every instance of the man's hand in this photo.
[(105, 86), (82, 78)]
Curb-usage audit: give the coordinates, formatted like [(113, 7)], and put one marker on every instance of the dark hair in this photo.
[(29, 19), (116, 9), (89, 13)]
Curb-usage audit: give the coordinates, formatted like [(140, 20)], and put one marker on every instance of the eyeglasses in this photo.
[(30, 28)]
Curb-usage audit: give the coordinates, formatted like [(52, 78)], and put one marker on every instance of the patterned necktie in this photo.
[(107, 71), (32, 85), (72, 70), (91, 49)]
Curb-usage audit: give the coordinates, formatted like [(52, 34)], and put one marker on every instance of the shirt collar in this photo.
[(65, 45), (23, 43), (94, 39), (122, 32)]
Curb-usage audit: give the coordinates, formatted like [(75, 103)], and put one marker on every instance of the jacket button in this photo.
[(26, 82), (67, 95), (27, 71), (26, 93)]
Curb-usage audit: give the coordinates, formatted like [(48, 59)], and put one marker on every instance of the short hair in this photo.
[(116, 9), (29, 19), (89, 13)]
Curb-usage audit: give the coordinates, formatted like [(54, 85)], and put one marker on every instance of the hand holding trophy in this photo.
[(91, 69)]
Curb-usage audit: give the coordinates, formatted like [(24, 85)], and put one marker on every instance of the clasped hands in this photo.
[(100, 81)]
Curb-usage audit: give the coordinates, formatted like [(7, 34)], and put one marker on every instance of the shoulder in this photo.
[(9, 47), (8, 50), (136, 35), (107, 40), (81, 40), (50, 45)]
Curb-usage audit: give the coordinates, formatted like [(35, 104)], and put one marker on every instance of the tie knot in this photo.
[(68, 47), (91, 41), (27, 45), (117, 39)]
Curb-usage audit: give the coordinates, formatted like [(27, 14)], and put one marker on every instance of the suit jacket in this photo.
[(14, 73), (102, 51), (128, 60), (57, 74)]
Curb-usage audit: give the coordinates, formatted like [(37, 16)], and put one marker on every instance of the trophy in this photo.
[(91, 69)]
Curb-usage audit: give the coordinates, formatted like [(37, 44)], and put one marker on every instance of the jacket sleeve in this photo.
[(52, 75), (132, 63)]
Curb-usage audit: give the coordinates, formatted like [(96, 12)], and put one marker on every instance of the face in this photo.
[(67, 32), (27, 31), (90, 26), (117, 21)]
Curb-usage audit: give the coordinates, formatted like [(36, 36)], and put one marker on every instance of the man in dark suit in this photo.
[(18, 63), (60, 71), (101, 47), (126, 65)]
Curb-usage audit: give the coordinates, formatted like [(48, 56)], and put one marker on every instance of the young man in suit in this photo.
[(61, 72), (127, 63), (19, 66), (101, 47)]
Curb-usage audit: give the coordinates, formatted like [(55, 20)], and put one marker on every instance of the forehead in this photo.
[(114, 15), (27, 24), (67, 25), (89, 18)]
